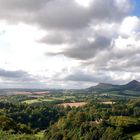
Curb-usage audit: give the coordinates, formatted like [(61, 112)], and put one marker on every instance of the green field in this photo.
[(48, 99), (40, 135), (7, 136), (37, 101), (136, 136)]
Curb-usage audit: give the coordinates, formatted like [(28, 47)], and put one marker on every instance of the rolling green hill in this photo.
[(131, 88)]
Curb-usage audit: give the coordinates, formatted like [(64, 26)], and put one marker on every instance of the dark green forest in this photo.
[(49, 121)]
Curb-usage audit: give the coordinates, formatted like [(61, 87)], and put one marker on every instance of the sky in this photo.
[(68, 44)]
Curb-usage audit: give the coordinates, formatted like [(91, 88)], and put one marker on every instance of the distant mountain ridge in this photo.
[(135, 85), (104, 87)]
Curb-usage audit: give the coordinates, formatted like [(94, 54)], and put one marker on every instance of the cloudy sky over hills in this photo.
[(68, 43)]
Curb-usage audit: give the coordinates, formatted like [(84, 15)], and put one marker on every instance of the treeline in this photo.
[(98, 121), (94, 121), (22, 118)]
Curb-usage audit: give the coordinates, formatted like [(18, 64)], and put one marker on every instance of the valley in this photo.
[(105, 112)]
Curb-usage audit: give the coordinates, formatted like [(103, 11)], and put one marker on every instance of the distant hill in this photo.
[(105, 87), (133, 85)]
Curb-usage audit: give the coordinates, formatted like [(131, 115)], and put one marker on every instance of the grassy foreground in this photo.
[(136, 136)]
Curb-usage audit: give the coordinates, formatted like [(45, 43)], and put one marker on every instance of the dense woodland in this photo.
[(94, 121)]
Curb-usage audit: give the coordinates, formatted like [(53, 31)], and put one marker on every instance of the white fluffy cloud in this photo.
[(130, 25)]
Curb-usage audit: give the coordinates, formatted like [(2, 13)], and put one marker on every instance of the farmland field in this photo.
[(34, 116), (108, 103), (136, 136), (37, 101), (77, 104)]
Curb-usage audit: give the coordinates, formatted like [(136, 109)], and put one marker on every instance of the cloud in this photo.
[(82, 76), (69, 23), (16, 75), (69, 15), (99, 39), (130, 25), (45, 13), (86, 49), (123, 55), (62, 14), (92, 77), (93, 34), (20, 79), (54, 38)]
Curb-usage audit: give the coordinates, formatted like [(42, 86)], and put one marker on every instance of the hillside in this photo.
[(105, 87)]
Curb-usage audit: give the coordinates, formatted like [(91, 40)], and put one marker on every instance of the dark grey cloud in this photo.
[(69, 18), (22, 5), (125, 64), (20, 79), (82, 77), (110, 10), (125, 59), (46, 13), (54, 38), (16, 75), (85, 49), (93, 77), (62, 14), (20, 11)]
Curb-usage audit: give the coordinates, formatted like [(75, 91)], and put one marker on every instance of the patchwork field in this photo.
[(108, 103), (38, 99), (77, 104)]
